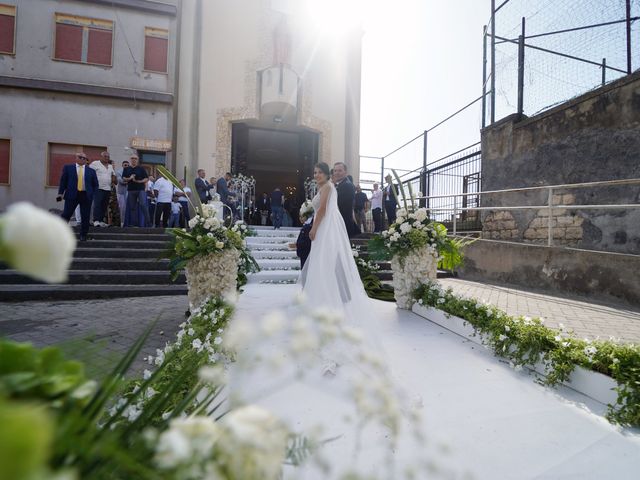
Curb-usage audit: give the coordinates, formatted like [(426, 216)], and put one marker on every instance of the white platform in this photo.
[(480, 416)]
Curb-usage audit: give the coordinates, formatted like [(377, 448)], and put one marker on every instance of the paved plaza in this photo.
[(96, 331), (585, 316)]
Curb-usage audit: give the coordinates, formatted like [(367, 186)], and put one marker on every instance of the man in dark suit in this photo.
[(203, 187), (346, 198), (390, 200), (222, 188), (77, 185), (264, 207), (277, 209)]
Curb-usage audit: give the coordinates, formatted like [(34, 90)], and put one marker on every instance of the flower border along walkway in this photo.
[(599, 369)]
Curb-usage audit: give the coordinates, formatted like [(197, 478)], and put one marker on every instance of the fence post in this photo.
[(423, 173), (628, 7), (604, 71), (521, 70), (484, 76), (493, 61), (455, 214), (382, 216), (550, 220)]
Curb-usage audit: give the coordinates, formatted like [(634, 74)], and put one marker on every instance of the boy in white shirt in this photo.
[(176, 208)]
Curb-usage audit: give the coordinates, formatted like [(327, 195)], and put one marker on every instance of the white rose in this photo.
[(36, 242), (193, 222), (220, 245)]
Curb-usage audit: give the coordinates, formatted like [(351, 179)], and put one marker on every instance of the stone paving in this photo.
[(585, 316), (98, 332)]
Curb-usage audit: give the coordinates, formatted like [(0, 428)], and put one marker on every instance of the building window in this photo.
[(5, 162), (7, 29), (156, 49), (83, 40), (61, 154)]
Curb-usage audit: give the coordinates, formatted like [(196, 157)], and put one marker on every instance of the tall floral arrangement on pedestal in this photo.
[(214, 256), (415, 245)]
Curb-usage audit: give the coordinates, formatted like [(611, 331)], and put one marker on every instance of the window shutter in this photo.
[(100, 44), (68, 42), (7, 29), (5, 161), (156, 49)]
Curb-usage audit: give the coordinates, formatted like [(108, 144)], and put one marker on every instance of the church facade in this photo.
[(266, 92)]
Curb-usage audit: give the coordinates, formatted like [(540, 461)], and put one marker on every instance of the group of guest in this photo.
[(98, 194)]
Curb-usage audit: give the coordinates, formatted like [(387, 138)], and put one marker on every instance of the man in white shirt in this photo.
[(163, 190), (106, 178), (376, 208)]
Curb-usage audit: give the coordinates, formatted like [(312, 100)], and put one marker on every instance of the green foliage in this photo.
[(372, 284), (25, 440), (525, 341), (179, 363), (451, 253), (40, 374)]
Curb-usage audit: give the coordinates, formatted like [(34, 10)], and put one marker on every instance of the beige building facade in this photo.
[(264, 91)]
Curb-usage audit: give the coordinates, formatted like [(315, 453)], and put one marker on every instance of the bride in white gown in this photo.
[(330, 277)]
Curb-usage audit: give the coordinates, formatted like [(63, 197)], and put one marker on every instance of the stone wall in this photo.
[(594, 137), (599, 275)]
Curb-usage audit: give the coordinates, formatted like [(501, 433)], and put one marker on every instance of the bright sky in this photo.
[(422, 61)]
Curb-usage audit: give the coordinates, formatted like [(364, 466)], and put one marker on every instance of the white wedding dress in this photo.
[(330, 278)]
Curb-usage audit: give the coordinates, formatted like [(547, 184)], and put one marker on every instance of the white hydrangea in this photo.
[(36, 242)]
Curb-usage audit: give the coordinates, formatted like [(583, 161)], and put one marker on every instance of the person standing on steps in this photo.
[(78, 184), (360, 209), (121, 190), (277, 209), (136, 179), (106, 178), (203, 187), (346, 197), (376, 208), (390, 200)]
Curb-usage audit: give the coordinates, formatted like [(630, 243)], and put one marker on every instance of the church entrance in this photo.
[(276, 158)]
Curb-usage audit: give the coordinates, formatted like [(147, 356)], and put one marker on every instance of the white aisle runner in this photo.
[(480, 416)]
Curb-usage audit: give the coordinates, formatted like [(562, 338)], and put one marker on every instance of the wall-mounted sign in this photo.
[(140, 143)]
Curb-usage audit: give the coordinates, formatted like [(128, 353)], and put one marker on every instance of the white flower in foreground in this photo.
[(36, 242), (254, 444), (186, 440), (214, 375)]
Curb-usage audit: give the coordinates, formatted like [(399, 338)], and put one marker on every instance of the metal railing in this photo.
[(549, 206)]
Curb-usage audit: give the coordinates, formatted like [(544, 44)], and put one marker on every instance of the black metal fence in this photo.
[(539, 53)]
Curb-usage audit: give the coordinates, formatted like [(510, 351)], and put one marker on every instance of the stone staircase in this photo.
[(115, 262), (279, 262)]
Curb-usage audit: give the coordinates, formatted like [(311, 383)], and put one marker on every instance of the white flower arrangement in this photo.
[(306, 210), (410, 272), (36, 242), (214, 274)]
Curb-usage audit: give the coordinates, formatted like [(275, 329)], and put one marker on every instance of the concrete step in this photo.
[(141, 237), (293, 233), (95, 243), (23, 293), (134, 264), (274, 254), (102, 277), (135, 230), (270, 240), (274, 276), (281, 264), (268, 246), (93, 252)]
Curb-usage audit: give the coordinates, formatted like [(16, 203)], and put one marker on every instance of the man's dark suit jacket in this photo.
[(203, 187), (264, 204), (303, 244), (346, 199), (69, 182), (223, 191)]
